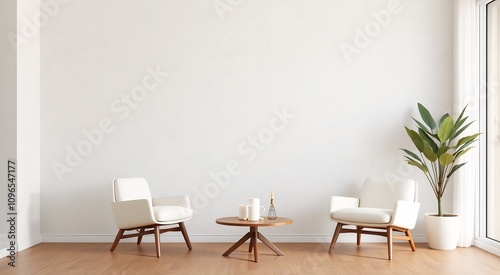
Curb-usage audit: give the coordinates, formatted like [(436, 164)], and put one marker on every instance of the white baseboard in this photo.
[(195, 238), (3, 251), (176, 237), (29, 243), (211, 238), (204, 238), (487, 245), (22, 245)]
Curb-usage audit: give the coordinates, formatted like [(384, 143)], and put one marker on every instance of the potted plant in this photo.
[(438, 151)]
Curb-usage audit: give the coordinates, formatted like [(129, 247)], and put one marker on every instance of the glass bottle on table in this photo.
[(272, 212)]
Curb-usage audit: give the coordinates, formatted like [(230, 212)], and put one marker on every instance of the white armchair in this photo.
[(389, 204), (135, 210)]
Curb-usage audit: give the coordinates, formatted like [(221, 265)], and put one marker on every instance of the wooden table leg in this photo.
[(254, 231), (253, 235), (250, 243), (237, 244), (269, 244)]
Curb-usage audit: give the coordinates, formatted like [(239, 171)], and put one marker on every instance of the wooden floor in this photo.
[(206, 258)]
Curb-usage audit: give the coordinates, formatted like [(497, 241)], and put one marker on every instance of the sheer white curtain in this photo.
[(466, 92)]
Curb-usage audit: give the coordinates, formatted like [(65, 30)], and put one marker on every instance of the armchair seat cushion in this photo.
[(171, 213), (363, 215)]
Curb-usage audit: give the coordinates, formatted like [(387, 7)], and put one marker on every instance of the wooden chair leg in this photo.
[(358, 234), (185, 235), (389, 242), (410, 240), (335, 236), (117, 239), (157, 240), (141, 233)]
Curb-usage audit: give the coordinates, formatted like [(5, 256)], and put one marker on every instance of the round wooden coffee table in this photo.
[(253, 234)]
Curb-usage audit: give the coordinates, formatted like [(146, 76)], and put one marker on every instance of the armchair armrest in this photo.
[(339, 202), (181, 200), (405, 214), (133, 213)]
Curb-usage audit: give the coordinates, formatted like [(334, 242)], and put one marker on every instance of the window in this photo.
[(492, 121), (488, 214)]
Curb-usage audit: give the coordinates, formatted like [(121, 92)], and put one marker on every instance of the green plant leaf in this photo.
[(420, 166), (427, 139), (446, 159), (429, 153), (426, 117), (446, 129), (442, 119), (441, 150), (467, 139), (461, 153), (422, 126), (456, 133), (409, 158), (411, 154), (415, 137), (455, 168), (459, 120), (467, 144)]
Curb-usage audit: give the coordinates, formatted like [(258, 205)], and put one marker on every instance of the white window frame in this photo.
[(480, 239)]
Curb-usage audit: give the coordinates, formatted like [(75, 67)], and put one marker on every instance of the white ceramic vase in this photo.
[(442, 232)]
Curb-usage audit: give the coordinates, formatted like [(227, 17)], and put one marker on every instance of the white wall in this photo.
[(8, 24), (229, 72), (28, 124)]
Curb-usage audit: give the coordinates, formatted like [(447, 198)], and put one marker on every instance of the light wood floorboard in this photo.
[(206, 258)]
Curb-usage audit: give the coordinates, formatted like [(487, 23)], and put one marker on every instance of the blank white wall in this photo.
[(8, 135), (28, 125), (229, 72)]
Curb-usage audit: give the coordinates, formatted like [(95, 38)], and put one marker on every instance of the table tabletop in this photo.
[(235, 221)]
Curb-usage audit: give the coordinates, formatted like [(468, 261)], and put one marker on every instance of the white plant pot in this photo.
[(442, 232)]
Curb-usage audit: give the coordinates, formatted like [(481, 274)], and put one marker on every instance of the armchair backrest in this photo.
[(126, 189), (379, 192)]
